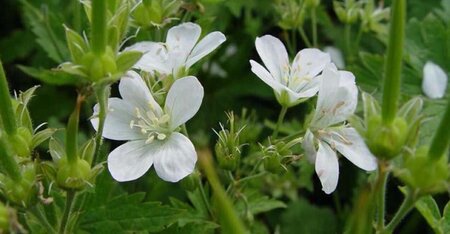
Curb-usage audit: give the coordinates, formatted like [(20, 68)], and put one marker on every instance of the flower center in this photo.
[(151, 125)]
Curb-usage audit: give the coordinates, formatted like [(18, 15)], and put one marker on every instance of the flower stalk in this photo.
[(441, 138), (70, 197), (280, 121), (102, 94), (227, 215), (98, 31), (393, 64), (6, 111)]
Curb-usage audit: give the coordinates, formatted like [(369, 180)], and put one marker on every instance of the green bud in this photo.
[(420, 172), (190, 182), (73, 176), (228, 158), (98, 67), (21, 142), (23, 191), (228, 147), (4, 219), (274, 157), (386, 141)]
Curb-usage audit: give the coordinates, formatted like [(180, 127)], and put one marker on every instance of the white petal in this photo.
[(182, 38), (183, 100), (155, 57), (434, 81), (327, 167), (309, 147), (274, 55), (351, 145), (176, 158), (131, 160), (266, 77), (338, 97), (135, 92), (209, 43), (279, 88), (336, 56), (117, 122), (309, 63)]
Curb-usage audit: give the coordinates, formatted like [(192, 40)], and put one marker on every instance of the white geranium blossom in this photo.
[(151, 131), (179, 52), (434, 81), (294, 82), (337, 99)]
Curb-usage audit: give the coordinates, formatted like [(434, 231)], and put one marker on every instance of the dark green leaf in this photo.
[(51, 76)]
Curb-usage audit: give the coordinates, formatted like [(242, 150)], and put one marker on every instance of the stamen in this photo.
[(132, 124), (150, 139), (161, 136)]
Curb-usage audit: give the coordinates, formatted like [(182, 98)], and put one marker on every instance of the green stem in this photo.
[(393, 63), (405, 208), (304, 37), (280, 121), (72, 132), (441, 138), (102, 94), (70, 197), (314, 26), (380, 193), (250, 177), (230, 221), (6, 111), (7, 160), (98, 30)]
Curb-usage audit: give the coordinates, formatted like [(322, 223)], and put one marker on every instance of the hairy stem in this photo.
[(280, 121), (393, 64), (380, 193), (98, 30), (70, 198), (102, 94)]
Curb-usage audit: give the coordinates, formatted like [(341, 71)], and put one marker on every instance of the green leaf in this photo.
[(127, 213), (303, 217), (53, 77), (258, 203), (49, 36), (127, 59), (445, 222), (429, 209), (42, 136)]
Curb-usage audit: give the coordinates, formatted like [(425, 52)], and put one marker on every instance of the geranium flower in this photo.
[(179, 52), (294, 82), (434, 81), (337, 99), (151, 131)]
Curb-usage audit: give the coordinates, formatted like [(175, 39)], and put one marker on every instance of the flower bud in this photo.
[(274, 156), (227, 157), (20, 191), (73, 176), (228, 147), (419, 172), (347, 12), (386, 141), (21, 142), (97, 67)]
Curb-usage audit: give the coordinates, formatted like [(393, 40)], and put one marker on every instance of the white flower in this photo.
[(434, 80), (336, 56), (179, 52), (294, 82), (338, 96), (151, 130)]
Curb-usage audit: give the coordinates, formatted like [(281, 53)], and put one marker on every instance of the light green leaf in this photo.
[(127, 59), (429, 210), (51, 76)]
